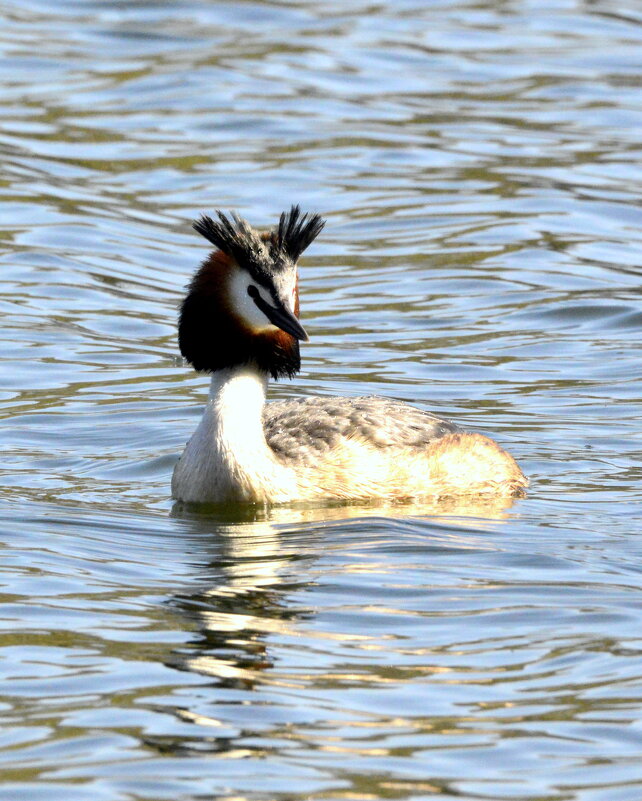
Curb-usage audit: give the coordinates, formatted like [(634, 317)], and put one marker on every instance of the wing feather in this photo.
[(306, 429)]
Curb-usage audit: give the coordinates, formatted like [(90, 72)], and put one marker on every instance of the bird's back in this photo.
[(375, 447), (305, 430)]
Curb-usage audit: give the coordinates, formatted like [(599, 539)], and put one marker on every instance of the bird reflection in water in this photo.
[(265, 553)]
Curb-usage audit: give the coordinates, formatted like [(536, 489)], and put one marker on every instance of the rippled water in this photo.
[(479, 166)]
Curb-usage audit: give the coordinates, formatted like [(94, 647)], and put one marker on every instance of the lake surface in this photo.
[(479, 165)]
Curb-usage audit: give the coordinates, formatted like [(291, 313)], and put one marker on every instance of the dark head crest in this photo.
[(296, 231), (236, 237), (262, 254)]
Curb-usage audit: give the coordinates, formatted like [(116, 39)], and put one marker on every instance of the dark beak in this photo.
[(281, 318)]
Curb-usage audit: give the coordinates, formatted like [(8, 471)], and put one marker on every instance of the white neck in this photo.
[(228, 457), (237, 397)]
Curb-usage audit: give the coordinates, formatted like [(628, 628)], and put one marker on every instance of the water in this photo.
[(479, 166)]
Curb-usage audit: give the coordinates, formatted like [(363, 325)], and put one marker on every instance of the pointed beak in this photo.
[(286, 321), (281, 318)]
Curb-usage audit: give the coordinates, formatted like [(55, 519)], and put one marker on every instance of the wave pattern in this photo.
[(479, 167)]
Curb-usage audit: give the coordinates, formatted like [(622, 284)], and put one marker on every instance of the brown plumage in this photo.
[(212, 335)]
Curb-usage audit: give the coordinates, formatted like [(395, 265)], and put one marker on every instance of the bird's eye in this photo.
[(253, 292)]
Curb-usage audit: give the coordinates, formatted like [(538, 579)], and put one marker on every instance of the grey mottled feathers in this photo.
[(305, 429)]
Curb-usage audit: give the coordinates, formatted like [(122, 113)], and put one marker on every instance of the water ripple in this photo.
[(479, 168)]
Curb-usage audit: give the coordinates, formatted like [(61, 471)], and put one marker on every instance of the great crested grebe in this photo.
[(239, 322)]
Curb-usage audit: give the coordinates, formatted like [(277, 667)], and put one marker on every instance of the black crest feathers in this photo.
[(262, 254), (238, 239), (296, 232)]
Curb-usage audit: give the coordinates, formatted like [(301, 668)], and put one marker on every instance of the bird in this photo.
[(239, 322)]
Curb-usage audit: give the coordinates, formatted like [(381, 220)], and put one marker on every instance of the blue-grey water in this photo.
[(479, 164)]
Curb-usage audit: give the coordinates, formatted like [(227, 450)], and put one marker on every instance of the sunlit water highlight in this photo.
[(479, 166)]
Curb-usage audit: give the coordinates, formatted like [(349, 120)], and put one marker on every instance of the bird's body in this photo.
[(239, 322)]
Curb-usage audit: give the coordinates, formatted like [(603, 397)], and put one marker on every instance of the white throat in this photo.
[(237, 397), (227, 457)]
